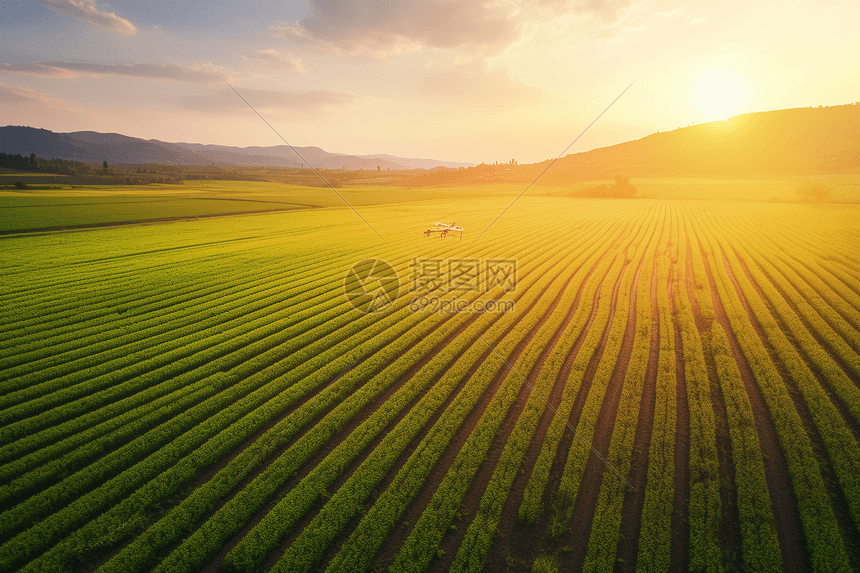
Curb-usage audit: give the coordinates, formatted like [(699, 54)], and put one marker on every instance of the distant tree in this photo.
[(104, 165), (32, 161), (16, 161), (812, 191), (622, 187)]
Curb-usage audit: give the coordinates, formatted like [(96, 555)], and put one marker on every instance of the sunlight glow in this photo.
[(720, 94)]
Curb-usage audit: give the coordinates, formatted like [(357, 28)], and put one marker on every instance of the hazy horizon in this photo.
[(384, 153), (455, 81)]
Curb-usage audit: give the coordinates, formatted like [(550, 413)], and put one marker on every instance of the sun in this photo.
[(720, 94)]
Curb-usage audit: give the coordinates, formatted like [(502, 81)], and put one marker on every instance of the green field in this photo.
[(46, 207), (62, 206), (673, 385)]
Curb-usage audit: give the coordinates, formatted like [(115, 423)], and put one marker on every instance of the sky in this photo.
[(453, 80)]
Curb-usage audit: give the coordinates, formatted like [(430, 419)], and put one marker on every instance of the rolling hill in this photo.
[(796, 141), (95, 147), (800, 141)]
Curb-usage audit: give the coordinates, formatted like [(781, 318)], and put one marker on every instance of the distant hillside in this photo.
[(802, 141), (790, 142), (94, 147)]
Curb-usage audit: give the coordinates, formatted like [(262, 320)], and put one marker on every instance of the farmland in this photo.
[(676, 387)]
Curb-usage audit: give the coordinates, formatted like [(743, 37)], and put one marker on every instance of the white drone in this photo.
[(443, 229)]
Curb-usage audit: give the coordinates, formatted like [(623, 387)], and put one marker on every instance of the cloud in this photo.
[(380, 27), (286, 63), (207, 73), (474, 84), (39, 69), (607, 11), (606, 20), (87, 10), (225, 101), (19, 97)]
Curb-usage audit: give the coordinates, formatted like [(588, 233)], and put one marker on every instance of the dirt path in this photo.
[(566, 441), (729, 533), (822, 342), (453, 540), (343, 434), (312, 463), (681, 490), (634, 501), (595, 469), (837, 497), (395, 539), (515, 545), (795, 558), (816, 371)]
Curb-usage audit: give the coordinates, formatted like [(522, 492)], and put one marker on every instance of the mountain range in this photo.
[(782, 142), (95, 147)]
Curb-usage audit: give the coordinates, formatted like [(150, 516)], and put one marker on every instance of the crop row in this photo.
[(297, 556), (268, 299), (154, 310), (308, 366), (824, 542), (531, 506), (381, 518), (760, 546), (255, 430), (769, 276), (832, 290), (95, 299), (606, 524), (230, 517), (842, 448), (334, 310), (478, 538), (804, 297), (64, 369), (473, 551), (357, 552), (311, 543), (235, 346), (821, 242), (655, 532), (77, 483), (758, 536), (237, 511), (55, 432), (704, 508), (586, 425)]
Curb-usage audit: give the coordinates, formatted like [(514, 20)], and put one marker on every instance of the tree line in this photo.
[(35, 164)]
